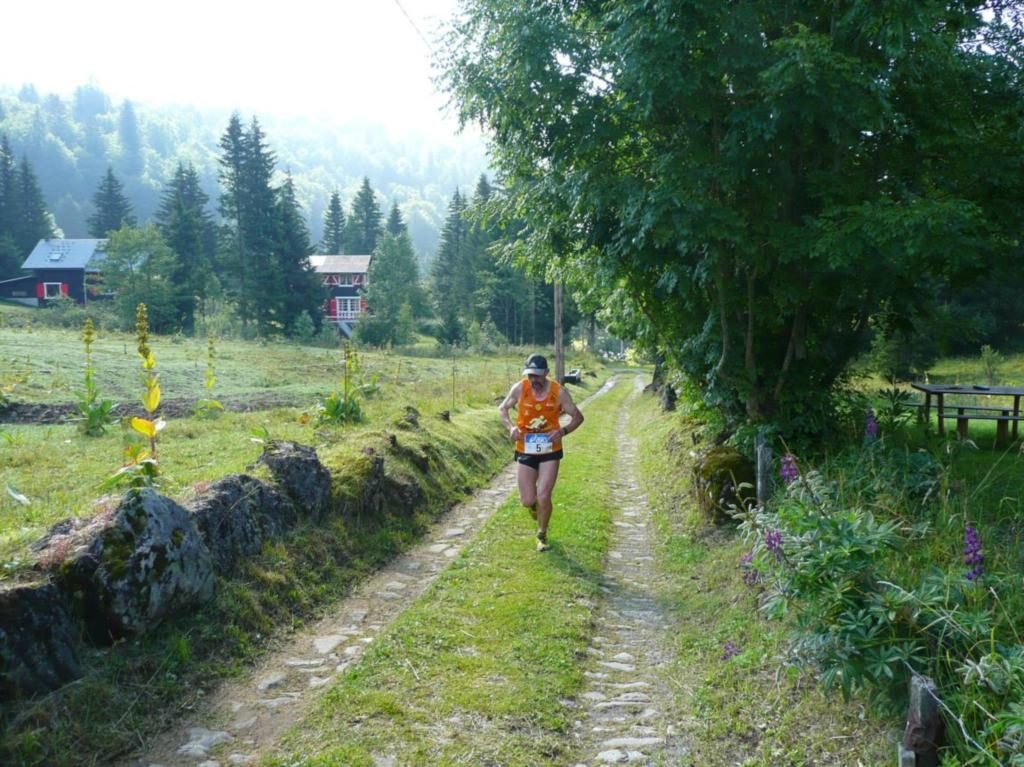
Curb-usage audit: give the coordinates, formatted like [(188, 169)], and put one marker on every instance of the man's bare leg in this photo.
[(527, 478), (547, 474)]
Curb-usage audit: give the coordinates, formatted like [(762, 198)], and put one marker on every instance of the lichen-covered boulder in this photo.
[(236, 515), (37, 641), (723, 481), (145, 562), (301, 476)]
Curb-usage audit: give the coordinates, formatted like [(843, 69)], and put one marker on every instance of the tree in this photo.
[(746, 185), (393, 285), (301, 291), (333, 242), (9, 251), (395, 225), (139, 268), (111, 209), (24, 219), (445, 280), (364, 226), (188, 230), (130, 140)]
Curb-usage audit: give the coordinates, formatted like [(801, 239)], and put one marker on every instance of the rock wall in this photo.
[(119, 574)]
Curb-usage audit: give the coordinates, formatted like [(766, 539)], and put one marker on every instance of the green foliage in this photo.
[(112, 210), (24, 219), (748, 215), (871, 603), (990, 362), (208, 406), (333, 242), (365, 222), (393, 286), (342, 405), (140, 268), (141, 468), (895, 408), (96, 414)]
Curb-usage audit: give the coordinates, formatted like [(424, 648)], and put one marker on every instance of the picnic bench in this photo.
[(1005, 416)]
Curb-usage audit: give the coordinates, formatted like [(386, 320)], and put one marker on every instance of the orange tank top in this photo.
[(538, 416)]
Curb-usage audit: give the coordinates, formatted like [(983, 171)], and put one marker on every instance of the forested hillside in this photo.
[(70, 141)]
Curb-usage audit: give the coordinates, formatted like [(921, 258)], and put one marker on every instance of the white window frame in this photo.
[(46, 290)]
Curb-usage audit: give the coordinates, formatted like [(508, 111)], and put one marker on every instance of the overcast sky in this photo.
[(345, 60)]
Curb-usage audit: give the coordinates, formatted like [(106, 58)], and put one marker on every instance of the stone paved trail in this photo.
[(243, 718), (626, 712)]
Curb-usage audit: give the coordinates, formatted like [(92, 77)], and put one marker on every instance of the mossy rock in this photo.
[(723, 481)]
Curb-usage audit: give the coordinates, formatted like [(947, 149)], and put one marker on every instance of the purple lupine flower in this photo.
[(974, 557), (751, 576), (788, 469), (729, 650), (773, 541), (870, 426)]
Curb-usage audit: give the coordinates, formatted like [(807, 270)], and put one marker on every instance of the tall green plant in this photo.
[(96, 413), (208, 406), (141, 468), (342, 405)]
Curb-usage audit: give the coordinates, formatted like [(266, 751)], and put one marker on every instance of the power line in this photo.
[(416, 29)]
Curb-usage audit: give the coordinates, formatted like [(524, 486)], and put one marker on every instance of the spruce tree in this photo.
[(33, 222), (364, 225), (260, 222), (333, 243), (131, 143), (188, 229), (395, 225), (445, 280), (232, 207), (301, 292), (9, 254), (112, 209), (392, 291)]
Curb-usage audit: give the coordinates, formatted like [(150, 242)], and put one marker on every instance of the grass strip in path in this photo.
[(748, 704), (477, 671)]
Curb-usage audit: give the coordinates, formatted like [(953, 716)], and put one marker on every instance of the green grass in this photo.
[(474, 672), (754, 709), (59, 470)]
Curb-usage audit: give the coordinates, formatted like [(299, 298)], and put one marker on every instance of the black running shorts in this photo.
[(534, 461)]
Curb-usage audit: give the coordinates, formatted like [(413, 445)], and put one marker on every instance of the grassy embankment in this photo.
[(754, 709), (474, 672), (58, 469), (138, 687)]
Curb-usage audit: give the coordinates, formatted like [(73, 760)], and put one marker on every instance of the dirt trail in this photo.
[(241, 719), (627, 714)]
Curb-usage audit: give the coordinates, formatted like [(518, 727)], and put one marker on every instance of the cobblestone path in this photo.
[(243, 718), (626, 713)]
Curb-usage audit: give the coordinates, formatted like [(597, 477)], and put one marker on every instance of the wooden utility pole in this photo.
[(559, 341)]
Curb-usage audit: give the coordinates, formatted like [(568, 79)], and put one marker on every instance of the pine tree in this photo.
[(112, 209), (232, 209), (33, 222), (9, 260), (395, 225), (445, 280), (188, 229), (364, 225), (131, 143), (301, 292), (333, 242), (392, 291)]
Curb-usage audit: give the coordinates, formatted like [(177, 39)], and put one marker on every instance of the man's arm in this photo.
[(574, 413), (511, 401)]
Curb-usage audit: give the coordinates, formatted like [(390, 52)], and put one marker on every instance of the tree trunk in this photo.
[(559, 341)]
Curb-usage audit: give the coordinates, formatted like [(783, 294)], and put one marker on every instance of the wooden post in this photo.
[(764, 468), (559, 341), (923, 734)]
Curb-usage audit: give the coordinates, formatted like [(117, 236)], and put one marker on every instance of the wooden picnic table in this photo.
[(1003, 415)]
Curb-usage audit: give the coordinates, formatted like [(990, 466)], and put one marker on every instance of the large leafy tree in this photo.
[(111, 208), (139, 268), (744, 185), (365, 222), (188, 229), (333, 242)]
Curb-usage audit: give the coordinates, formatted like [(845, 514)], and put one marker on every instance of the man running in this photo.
[(538, 437)]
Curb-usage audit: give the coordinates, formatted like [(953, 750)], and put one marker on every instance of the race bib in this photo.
[(537, 444)]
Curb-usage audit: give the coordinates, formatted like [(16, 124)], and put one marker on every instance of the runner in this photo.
[(538, 437)]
